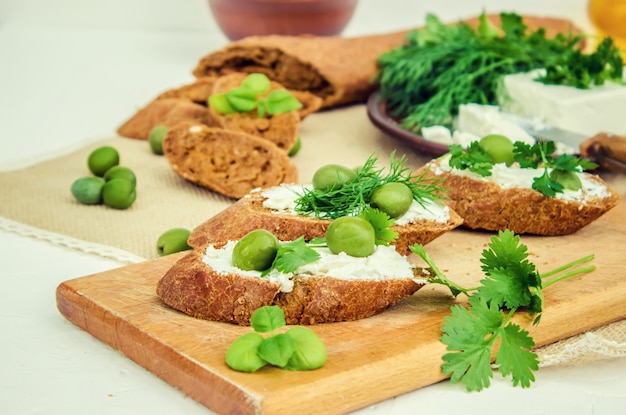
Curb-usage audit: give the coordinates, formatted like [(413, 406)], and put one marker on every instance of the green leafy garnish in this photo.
[(441, 66), (473, 332), (541, 155), (299, 348), (292, 255), (382, 224), (583, 71), (353, 196), (253, 93), (475, 158), (558, 171)]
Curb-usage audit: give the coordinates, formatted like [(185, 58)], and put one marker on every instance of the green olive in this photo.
[(568, 179), (393, 198), (256, 250), (499, 148), (242, 354), (296, 148), (119, 193), (332, 175), (102, 159), (88, 190), (155, 139), (310, 350), (173, 240), (353, 235), (120, 172)]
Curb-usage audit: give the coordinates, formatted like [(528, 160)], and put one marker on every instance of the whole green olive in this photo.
[(393, 198), (296, 148), (119, 193), (499, 148), (568, 179), (102, 159), (256, 250), (155, 139), (120, 172), (332, 175), (350, 234), (88, 190), (173, 240)]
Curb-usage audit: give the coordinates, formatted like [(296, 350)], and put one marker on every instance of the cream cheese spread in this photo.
[(384, 264), (515, 177), (282, 198), (586, 111)]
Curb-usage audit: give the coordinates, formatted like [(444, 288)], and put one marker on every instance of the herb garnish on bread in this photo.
[(537, 192), (291, 211)]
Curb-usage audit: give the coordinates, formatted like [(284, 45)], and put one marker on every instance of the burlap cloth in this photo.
[(37, 202)]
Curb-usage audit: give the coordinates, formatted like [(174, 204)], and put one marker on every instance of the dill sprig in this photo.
[(353, 197)]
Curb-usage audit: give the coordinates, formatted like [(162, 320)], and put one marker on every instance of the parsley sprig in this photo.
[(352, 197), (541, 155), (483, 328), (293, 254)]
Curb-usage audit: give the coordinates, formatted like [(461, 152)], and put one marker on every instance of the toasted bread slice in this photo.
[(193, 287), (228, 162), (487, 205), (249, 213), (165, 111)]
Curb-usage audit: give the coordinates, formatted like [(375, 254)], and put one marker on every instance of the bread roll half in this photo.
[(249, 213)]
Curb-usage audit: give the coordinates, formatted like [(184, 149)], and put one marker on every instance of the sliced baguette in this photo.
[(488, 206), (249, 213), (228, 162), (194, 288)]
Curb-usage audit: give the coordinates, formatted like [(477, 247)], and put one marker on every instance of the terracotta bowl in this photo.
[(241, 18)]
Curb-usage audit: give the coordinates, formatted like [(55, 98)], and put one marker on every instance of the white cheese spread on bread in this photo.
[(281, 199), (515, 177), (384, 264)]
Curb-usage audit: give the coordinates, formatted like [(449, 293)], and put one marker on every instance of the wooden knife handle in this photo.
[(608, 150)]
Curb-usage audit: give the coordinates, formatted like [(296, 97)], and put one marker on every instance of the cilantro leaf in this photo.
[(470, 334), (382, 223), (474, 159), (541, 155), (511, 280), (515, 357), (291, 256)]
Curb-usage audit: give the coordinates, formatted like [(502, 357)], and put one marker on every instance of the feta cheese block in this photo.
[(585, 111)]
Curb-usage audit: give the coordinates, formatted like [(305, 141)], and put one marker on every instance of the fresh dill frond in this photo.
[(353, 197)]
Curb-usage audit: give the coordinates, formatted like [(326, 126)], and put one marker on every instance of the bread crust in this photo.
[(248, 214), (486, 205), (194, 288), (228, 162)]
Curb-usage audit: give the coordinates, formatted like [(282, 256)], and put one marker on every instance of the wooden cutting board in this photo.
[(368, 360)]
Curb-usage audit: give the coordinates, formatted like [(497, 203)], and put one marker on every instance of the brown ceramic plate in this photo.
[(378, 116)]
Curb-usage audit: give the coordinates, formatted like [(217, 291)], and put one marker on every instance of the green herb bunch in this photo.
[(442, 66), (298, 348), (253, 93), (483, 328), (353, 197)]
